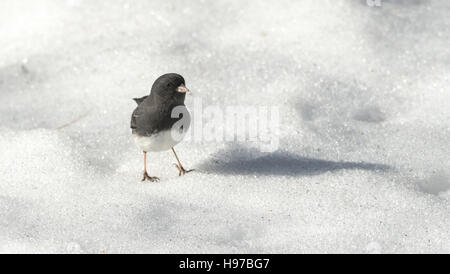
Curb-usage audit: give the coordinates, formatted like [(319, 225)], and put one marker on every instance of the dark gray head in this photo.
[(169, 87)]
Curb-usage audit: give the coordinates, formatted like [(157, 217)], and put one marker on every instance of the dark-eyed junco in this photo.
[(161, 119)]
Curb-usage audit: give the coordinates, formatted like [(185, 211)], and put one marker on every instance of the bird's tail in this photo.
[(139, 100)]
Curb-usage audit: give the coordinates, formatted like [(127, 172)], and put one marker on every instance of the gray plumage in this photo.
[(152, 124), (153, 113)]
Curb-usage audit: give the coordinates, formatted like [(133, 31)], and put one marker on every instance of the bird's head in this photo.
[(169, 87)]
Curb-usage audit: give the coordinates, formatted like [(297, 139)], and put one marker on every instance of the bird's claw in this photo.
[(150, 178), (181, 170)]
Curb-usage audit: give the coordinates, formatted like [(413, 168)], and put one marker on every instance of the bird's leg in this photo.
[(180, 167), (146, 176)]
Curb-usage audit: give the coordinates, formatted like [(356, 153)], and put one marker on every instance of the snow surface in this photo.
[(363, 95)]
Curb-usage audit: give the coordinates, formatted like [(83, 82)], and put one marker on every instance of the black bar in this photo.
[(221, 263)]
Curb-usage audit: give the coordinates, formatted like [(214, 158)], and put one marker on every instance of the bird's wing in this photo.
[(136, 113), (146, 119), (133, 120)]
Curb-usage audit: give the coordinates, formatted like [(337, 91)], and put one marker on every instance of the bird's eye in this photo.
[(168, 85)]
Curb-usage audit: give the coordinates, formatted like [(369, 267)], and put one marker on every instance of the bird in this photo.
[(161, 119)]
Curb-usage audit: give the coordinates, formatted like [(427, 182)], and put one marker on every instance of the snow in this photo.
[(364, 139)]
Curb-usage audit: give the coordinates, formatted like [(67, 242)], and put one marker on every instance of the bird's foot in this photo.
[(181, 170), (150, 178)]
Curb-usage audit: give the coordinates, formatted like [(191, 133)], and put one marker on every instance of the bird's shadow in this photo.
[(248, 162)]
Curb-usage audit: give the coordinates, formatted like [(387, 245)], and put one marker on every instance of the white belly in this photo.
[(156, 142)]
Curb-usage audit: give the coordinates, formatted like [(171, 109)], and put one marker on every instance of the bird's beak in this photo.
[(182, 88)]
